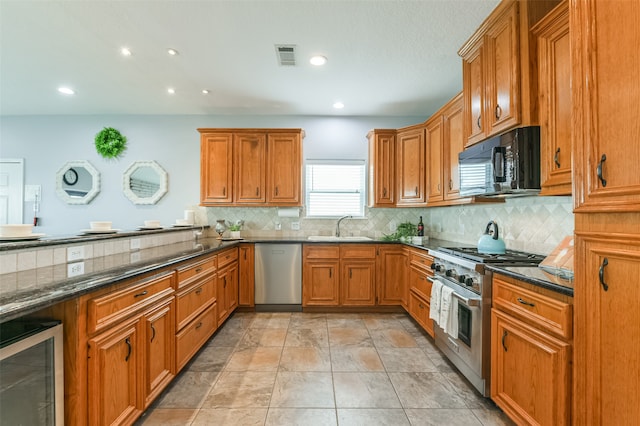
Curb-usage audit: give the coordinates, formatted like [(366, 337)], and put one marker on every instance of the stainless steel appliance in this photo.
[(278, 277), (508, 164), (462, 269), (31, 373)]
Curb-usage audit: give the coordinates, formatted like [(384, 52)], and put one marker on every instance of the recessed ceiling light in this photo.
[(338, 105), (171, 90), (125, 51), (205, 92), (172, 52), (318, 60), (66, 90)]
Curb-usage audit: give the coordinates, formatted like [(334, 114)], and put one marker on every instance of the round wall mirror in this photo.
[(77, 182), (145, 182)]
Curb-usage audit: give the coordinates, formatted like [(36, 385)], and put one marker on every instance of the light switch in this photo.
[(32, 192)]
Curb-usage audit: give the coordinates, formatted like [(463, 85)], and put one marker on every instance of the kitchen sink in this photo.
[(334, 238)]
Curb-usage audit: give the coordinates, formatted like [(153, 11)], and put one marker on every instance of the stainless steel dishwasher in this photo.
[(278, 277)]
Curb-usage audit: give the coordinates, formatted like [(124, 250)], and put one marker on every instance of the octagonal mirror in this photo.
[(145, 182), (77, 182)]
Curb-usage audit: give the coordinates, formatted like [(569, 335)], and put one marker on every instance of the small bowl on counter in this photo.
[(16, 230)]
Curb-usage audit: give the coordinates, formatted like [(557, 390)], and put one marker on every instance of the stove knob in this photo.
[(468, 282), (439, 268), (434, 266), (450, 272), (462, 278)]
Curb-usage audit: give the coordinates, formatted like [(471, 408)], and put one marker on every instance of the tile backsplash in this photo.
[(532, 224)]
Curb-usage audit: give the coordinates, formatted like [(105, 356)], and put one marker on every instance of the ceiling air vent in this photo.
[(286, 54)]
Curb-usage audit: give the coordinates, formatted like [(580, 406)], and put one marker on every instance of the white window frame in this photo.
[(362, 190)]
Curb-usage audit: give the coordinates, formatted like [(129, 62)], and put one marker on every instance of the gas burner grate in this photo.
[(510, 256)]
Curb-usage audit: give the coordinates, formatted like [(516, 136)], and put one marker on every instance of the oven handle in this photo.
[(465, 300)]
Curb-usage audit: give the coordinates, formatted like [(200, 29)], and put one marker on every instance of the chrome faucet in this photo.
[(338, 224)]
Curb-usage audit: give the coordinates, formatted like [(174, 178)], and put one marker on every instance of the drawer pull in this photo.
[(144, 293), (198, 270), (605, 262), (128, 342), (555, 158), (153, 336), (384, 192), (199, 290), (524, 302), (504, 336), (478, 122), (420, 305), (498, 112), (276, 190), (199, 325)]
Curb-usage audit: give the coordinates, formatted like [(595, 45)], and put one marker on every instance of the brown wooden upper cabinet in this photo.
[(410, 163), (499, 79), (250, 167), (382, 167), (554, 93)]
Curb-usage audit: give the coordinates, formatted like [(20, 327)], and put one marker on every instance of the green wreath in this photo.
[(110, 142)]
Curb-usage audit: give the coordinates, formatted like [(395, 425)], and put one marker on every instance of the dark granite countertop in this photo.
[(25, 292), (536, 276)]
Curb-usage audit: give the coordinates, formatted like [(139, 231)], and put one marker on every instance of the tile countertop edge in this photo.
[(33, 301), (526, 274)]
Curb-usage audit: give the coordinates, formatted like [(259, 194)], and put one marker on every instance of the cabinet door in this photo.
[(283, 169), (419, 310), (216, 159), (606, 104), (249, 167), (246, 285), (503, 72), (159, 345), (607, 362), (554, 88), (232, 288), (530, 374), (473, 81), (435, 140), (382, 168), (357, 284), (320, 283), (411, 163), (115, 358), (453, 145), (391, 276), (227, 291)]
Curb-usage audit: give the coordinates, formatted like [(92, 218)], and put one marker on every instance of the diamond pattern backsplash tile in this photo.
[(532, 224)]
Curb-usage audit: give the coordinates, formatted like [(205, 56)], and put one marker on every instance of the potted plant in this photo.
[(234, 229), (404, 232)]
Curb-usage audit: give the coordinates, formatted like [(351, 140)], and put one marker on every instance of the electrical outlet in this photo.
[(134, 257), (278, 226), (134, 244), (295, 226), (75, 253), (75, 269)]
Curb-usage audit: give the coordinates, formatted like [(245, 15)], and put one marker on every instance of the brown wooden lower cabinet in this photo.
[(419, 310), (195, 334), (391, 275), (246, 266)]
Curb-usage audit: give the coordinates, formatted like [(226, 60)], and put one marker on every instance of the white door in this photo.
[(11, 190)]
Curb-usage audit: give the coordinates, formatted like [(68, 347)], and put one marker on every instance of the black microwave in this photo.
[(508, 164)]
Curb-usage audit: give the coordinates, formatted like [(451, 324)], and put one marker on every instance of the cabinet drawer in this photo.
[(113, 307), (420, 259), (419, 310), (226, 257), (196, 270), (193, 336), (357, 251), (539, 310), (321, 251), (419, 283), (194, 299)]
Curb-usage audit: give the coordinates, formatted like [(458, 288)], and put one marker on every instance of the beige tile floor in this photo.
[(321, 369)]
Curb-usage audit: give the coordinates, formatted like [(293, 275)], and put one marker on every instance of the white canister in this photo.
[(190, 216)]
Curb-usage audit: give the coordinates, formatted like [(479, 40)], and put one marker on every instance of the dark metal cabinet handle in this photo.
[(198, 325), (504, 336), (276, 190), (498, 112), (330, 273), (144, 293), (416, 190), (257, 191), (128, 342), (153, 336), (199, 290), (224, 191), (350, 273), (605, 262), (555, 158), (225, 282), (438, 187), (384, 192), (450, 184), (245, 254), (478, 122), (524, 302), (599, 169), (420, 305)]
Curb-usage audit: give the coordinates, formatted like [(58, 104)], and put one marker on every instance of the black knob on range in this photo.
[(462, 278), (440, 268), (434, 266), (450, 272), (468, 282)]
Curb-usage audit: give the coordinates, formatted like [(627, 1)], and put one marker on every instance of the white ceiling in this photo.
[(396, 58)]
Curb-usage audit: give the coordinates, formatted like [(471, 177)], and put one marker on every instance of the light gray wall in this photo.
[(48, 142)]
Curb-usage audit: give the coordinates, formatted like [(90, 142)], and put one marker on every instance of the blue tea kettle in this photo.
[(491, 244)]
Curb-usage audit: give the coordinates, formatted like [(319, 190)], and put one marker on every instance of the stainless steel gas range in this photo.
[(463, 270)]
